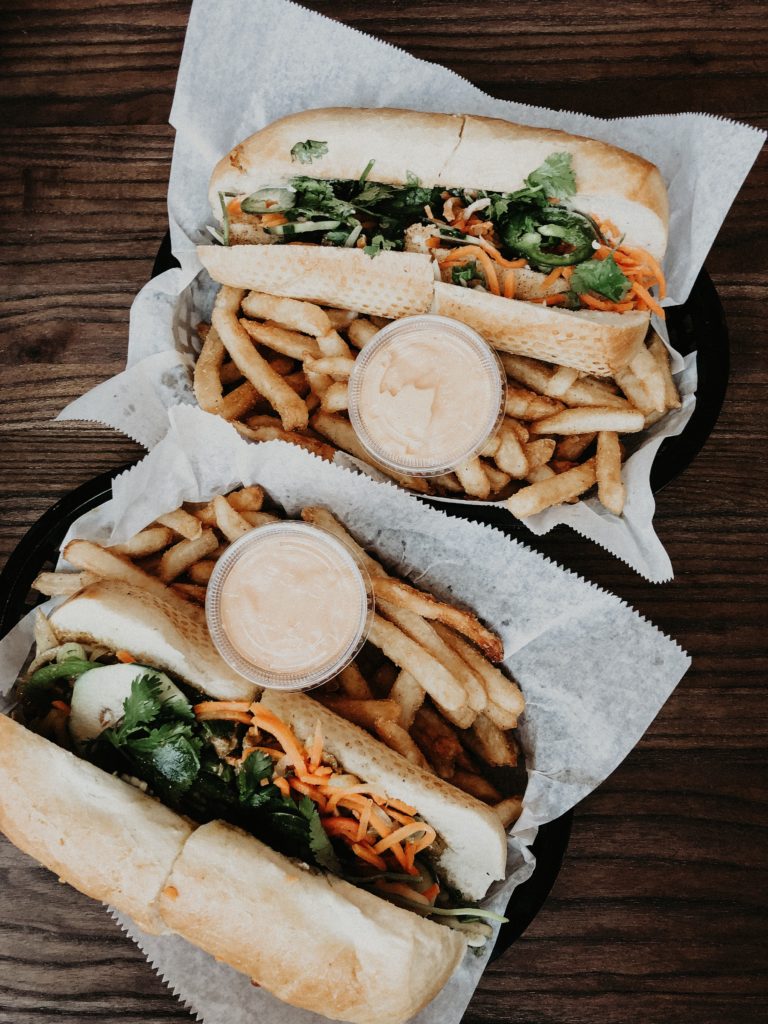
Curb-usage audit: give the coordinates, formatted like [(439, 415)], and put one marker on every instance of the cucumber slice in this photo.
[(303, 227), (98, 698), (269, 200)]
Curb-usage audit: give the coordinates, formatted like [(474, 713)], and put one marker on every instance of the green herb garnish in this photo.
[(601, 276), (306, 152)]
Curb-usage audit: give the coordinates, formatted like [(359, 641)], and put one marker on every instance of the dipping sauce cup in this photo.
[(288, 606), (426, 393)]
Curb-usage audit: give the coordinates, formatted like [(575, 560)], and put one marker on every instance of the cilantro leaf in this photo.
[(555, 177), (309, 150), (601, 276), (463, 275), (170, 756), (257, 766), (319, 843), (378, 244), (143, 705)]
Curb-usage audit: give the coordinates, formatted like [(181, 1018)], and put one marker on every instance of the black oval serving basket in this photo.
[(697, 326)]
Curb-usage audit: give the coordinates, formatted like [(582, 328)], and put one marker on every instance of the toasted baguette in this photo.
[(120, 617), (100, 834), (310, 939), (473, 845)]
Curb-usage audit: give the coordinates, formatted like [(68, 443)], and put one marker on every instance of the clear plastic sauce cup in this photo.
[(426, 394), (288, 606)]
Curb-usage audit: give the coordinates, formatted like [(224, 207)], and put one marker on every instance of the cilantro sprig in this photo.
[(309, 150), (604, 277)]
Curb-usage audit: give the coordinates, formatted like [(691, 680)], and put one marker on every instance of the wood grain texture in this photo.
[(659, 913)]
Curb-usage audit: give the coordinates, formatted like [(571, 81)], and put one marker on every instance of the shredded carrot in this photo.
[(431, 894), (206, 706), (224, 716), (233, 206), (366, 853), (282, 733), (647, 299), (403, 833), (316, 750), (404, 819), (337, 793), (282, 785), (313, 779), (510, 284), (400, 805), (379, 822), (434, 242), (399, 854), (271, 220), (593, 303), (305, 790), (642, 256), (126, 657), (479, 254), (550, 279), (410, 857), (60, 705), (338, 826), (401, 889), (365, 820), (551, 300), (276, 754)]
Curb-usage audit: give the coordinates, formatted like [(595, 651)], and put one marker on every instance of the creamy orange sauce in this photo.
[(427, 395), (291, 605)]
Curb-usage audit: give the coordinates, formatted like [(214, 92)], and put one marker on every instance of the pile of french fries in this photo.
[(426, 683), (278, 368)]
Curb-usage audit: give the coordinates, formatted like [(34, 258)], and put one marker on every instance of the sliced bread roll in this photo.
[(100, 834), (121, 617), (309, 938), (473, 849)]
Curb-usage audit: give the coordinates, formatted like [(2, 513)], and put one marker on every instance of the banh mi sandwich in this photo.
[(244, 826), (546, 243)]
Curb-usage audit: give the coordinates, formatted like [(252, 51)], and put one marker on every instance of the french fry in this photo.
[(429, 607), (84, 554), (63, 584), (647, 370), (573, 446), (145, 542), (448, 482), (311, 444), (338, 367), (230, 374), (181, 522), (537, 375), (237, 403), (499, 689), (476, 786), (206, 381), (341, 433), (552, 490), (248, 498), (527, 405), (659, 352), (497, 478), (353, 683), (292, 313), (490, 744), (437, 740), (409, 695), (491, 446), (228, 520), (289, 343), (500, 716), (335, 398), (201, 571), (340, 318), (361, 331), (333, 345), (291, 408), (45, 636), (637, 391), (473, 478), (509, 810), (561, 380), (510, 456), (587, 419), (364, 713), (318, 516), (539, 452), (190, 592), (177, 559), (399, 740), (523, 434), (383, 678), (610, 489), (259, 518), (540, 473), (426, 669)]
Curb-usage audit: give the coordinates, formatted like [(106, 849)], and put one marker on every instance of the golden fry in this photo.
[(588, 419), (145, 542), (181, 522), (289, 343), (177, 559), (553, 490), (399, 740), (610, 488)]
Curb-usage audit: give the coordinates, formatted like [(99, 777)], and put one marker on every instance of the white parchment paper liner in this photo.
[(594, 673), (244, 66)]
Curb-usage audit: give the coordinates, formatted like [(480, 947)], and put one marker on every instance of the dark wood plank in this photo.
[(659, 912)]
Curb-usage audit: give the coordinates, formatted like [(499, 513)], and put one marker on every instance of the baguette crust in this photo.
[(474, 849), (366, 961), (391, 284), (103, 836), (120, 617), (451, 150), (590, 341)]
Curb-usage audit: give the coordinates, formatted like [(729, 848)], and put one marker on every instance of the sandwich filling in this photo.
[(240, 763), (530, 244)]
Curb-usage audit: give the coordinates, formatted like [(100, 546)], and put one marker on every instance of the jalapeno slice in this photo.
[(554, 238)]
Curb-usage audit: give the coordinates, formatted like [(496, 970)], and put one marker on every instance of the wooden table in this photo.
[(659, 912)]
